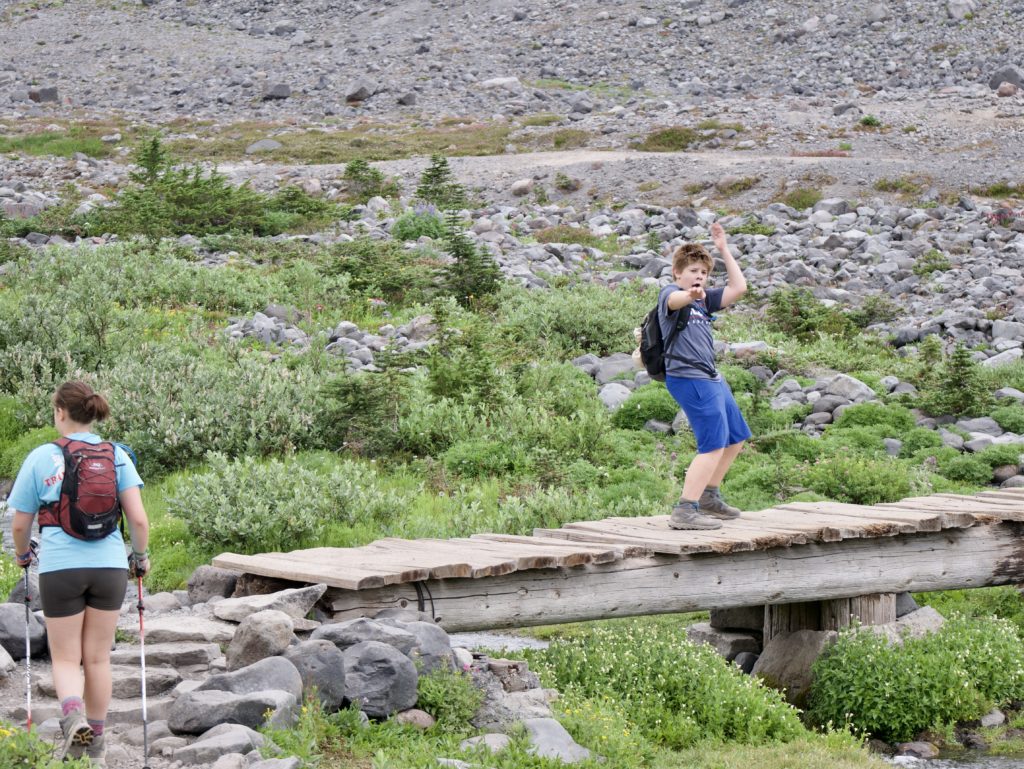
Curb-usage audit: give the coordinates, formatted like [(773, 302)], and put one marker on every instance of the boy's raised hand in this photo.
[(718, 236)]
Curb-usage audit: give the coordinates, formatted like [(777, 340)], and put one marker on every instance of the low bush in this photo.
[(15, 452), (365, 182), (669, 139), (652, 401), (1010, 418), (956, 387), (919, 439), (384, 269), (169, 201), (472, 274), (1002, 454), (450, 697), (895, 691), (796, 312), (896, 420), (248, 505), (11, 424), (966, 468), (677, 693), (484, 458), (26, 750), (413, 225), (802, 198), (859, 480), (564, 323)]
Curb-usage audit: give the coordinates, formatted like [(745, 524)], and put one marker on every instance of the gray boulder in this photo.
[(270, 673), (320, 664), (296, 603), (209, 581), (433, 649), (1008, 74), (219, 741), (379, 679), (549, 739), (7, 663), (17, 595), (263, 145), (350, 632), (198, 711), (261, 635), (727, 643), (360, 90), (785, 663), (12, 631)]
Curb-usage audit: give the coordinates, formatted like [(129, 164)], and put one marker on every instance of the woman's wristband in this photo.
[(24, 559), (143, 556)]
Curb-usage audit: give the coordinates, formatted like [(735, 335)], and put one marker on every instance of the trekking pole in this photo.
[(142, 659), (33, 548), (28, 658)]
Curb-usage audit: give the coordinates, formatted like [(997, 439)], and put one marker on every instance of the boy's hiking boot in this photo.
[(97, 751), (77, 734), (687, 515), (711, 503)]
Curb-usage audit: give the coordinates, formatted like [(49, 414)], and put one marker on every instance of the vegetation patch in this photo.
[(673, 139), (802, 198), (569, 138)]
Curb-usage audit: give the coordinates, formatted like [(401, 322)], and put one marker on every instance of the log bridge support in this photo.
[(822, 585)]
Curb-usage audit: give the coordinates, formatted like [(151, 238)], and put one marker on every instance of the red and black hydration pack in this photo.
[(88, 507)]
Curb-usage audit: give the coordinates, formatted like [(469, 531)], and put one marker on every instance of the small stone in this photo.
[(277, 91), (44, 94)]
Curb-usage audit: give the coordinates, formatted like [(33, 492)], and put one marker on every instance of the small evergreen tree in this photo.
[(439, 187), (473, 273), (365, 182), (957, 388)]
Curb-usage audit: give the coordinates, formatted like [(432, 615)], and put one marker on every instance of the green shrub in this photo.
[(931, 261), (167, 201), (677, 693), (1004, 602), (753, 227), (650, 402), (26, 750), (1010, 418), (484, 458), (919, 439), (559, 388), (173, 406), (439, 187), (796, 312), (897, 420), (859, 480), (413, 225), (15, 452), (893, 691), (877, 308), (450, 697), (966, 468), (860, 439), (802, 198), (956, 387), (472, 273), (669, 139), (247, 505), (11, 425), (1001, 454), (365, 182), (292, 207), (790, 442), (568, 322), (383, 269)]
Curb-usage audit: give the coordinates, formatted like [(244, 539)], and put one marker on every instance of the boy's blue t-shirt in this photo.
[(39, 482), (694, 343)]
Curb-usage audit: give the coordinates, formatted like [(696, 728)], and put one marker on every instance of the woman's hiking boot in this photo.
[(712, 503), (97, 751), (687, 515), (77, 734)]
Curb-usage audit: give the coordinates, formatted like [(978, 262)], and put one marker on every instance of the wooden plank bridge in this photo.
[(791, 554)]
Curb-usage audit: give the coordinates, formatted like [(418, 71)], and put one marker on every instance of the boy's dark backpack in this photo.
[(653, 345), (88, 507)]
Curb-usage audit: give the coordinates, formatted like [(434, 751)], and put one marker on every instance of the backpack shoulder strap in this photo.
[(682, 318)]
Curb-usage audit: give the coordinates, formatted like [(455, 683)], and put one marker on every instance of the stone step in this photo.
[(122, 711), (176, 655), (127, 681)]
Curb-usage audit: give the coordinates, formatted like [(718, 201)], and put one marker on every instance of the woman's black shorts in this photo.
[(67, 592)]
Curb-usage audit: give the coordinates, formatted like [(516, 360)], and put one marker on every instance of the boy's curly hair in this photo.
[(687, 254)]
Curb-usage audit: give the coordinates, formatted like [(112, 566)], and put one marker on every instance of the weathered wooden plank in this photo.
[(925, 521), (655, 546), (349, 579), (569, 554), (720, 540), (446, 559), (831, 527), (956, 558), (757, 530)]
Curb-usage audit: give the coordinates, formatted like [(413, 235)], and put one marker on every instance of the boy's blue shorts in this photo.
[(715, 418)]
